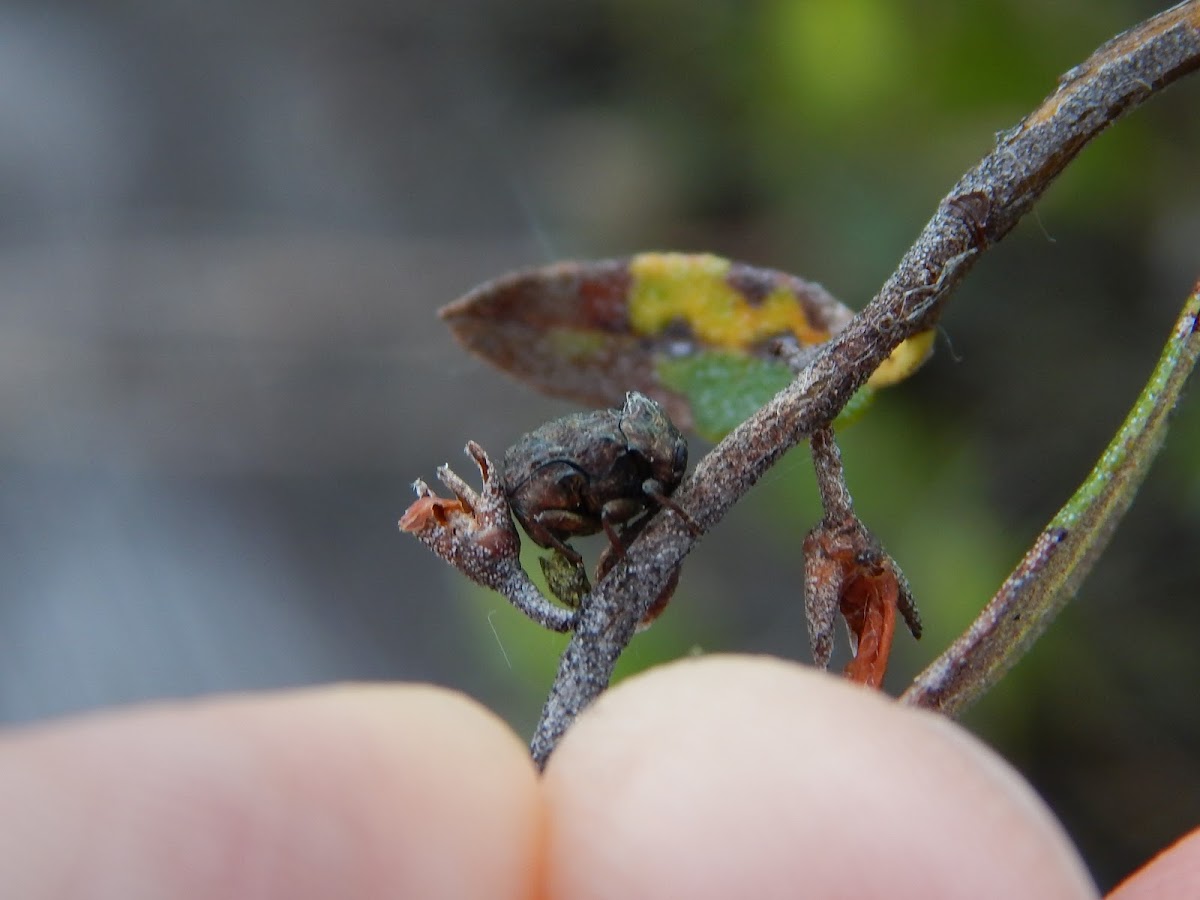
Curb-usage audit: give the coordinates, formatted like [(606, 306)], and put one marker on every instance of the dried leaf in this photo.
[(431, 510), (847, 572)]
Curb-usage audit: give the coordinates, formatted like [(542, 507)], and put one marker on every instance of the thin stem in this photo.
[(831, 476)]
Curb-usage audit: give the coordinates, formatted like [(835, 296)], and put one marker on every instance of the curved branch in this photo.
[(979, 210)]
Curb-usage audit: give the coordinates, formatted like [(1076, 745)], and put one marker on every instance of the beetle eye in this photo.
[(680, 462)]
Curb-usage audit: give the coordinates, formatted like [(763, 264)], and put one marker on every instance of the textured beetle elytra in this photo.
[(595, 471)]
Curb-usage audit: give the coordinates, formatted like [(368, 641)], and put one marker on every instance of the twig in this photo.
[(979, 210), (475, 532)]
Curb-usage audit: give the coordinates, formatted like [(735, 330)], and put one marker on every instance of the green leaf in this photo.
[(1052, 570)]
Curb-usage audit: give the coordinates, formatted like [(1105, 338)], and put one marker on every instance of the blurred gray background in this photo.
[(225, 230)]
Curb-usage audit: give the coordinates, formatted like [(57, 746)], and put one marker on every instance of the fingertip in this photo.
[(1173, 873), (359, 791), (739, 776)]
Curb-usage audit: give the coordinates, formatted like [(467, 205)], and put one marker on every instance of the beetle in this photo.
[(594, 471)]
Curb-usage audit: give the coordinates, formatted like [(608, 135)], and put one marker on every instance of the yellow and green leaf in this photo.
[(697, 332)]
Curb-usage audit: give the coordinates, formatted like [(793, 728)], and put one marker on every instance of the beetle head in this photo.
[(651, 433)]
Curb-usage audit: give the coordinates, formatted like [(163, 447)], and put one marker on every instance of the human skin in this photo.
[(720, 777)]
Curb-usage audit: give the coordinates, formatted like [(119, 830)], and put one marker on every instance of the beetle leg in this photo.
[(654, 489), (542, 530), (610, 556), (614, 538), (620, 512)]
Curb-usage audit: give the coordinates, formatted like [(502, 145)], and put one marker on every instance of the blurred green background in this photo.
[(227, 227)]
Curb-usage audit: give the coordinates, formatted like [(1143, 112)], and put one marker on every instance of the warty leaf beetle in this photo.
[(594, 471)]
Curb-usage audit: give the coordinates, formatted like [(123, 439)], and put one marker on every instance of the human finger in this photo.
[(739, 776), (346, 792), (1173, 873)]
